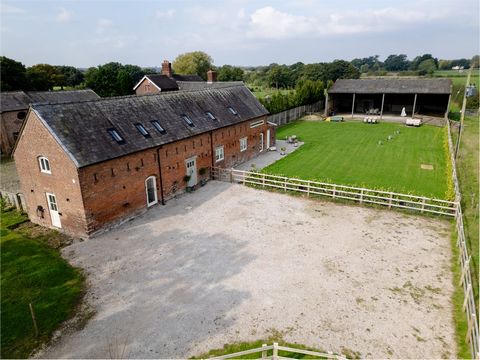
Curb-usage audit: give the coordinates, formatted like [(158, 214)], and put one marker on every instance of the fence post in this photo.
[(231, 175), (469, 288), (471, 321), (423, 204), (275, 351), (263, 180), (361, 196), (32, 313), (464, 270), (245, 177), (285, 185), (264, 352), (390, 200), (308, 188), (334, 191)]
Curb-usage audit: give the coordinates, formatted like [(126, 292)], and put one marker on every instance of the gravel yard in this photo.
[(229, 263)]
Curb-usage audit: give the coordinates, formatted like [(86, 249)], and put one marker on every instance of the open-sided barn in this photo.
[(388, 96)]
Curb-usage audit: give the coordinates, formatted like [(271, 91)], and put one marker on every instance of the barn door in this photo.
[(191, 165)]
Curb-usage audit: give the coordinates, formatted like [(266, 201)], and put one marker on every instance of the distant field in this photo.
[(349, 153)]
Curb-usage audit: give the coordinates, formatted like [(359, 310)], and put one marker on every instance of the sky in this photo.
[(87, 33)]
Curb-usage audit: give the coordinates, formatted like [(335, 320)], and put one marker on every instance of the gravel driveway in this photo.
[(229, 263)]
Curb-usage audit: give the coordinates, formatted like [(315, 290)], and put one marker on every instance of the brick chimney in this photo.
[(167, 68), (211, 76)]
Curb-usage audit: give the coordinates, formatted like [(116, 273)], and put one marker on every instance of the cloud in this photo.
[(64, 16), (9, 9), (270, 23), (165, 14), (103, 25)]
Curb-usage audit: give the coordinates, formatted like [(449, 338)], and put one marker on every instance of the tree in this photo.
[(193, 63), (230, 73), (427, 67), (71, 76), (279, 76), (369, 61), (341, 69), (475, 62), (444, 64), (396, 63), (419, 59), (43, 77), (13, 75)]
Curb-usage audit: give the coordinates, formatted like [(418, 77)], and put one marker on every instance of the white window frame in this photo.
[(243, 144), (257, 123), (44, 164), (219, 153), (155, 201)]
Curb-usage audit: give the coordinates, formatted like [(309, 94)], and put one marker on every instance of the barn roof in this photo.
[(391, 86), (81, 127), (179, 77), (18, 100), (163, 82), (201, 85)]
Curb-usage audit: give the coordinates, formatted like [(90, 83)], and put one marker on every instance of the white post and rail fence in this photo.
[(272, 352), (472, 336), (357, 194)]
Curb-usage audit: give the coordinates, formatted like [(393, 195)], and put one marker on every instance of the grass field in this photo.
[(349, 153), (33, 273), (261, 92)]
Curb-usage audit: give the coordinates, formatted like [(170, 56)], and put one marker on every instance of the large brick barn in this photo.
[(86, 165), (14, 106)]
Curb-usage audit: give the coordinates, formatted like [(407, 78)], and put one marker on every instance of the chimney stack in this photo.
[(211, 76), (167, 68)]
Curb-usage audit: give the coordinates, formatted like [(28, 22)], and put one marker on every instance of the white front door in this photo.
[(151, 190), (191, 165), (261, 141), (53, 209), (268, 139)]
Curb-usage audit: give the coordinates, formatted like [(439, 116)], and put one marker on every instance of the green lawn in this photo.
[(33, 273), (349, 153)]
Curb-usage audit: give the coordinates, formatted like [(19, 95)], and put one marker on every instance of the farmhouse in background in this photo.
[(168, 81), (86, 165), (388, 96), (14, 106)]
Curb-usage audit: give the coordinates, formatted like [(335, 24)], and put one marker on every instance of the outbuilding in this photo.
[(389, 96)]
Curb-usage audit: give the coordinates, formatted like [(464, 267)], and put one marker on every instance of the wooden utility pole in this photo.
[(462, 115)]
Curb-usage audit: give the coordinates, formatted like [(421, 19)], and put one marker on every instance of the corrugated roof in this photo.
[(81, 127), (19, 100), (392, 86)]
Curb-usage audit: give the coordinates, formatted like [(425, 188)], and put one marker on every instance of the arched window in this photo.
[(44, 165)]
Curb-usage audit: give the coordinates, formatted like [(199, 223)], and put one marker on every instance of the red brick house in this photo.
[(86, 165), (14, 106)]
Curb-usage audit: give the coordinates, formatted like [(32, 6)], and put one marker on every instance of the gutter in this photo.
[(160, 175)]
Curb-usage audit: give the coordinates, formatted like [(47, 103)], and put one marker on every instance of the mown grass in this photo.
[(349, 154), (33, 273)]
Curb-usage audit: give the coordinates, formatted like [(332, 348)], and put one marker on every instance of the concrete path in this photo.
[(269, 157)]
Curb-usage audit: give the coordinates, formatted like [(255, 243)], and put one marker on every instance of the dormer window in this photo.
[(44, 165), (159, 127), (116, 136), (210, 115), (141, 129), (187, 119), (232, 110)]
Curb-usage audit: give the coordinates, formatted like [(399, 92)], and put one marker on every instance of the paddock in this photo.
[(228, 263)]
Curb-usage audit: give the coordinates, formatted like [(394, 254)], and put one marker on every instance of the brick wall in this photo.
[(63, 181), (146, 87), (11, 122)]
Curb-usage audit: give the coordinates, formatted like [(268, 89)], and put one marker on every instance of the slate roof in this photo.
[(179, 77), (20, 100), (200, 85), (391, 86), (13, 100), (81, 127), (162, 81)]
